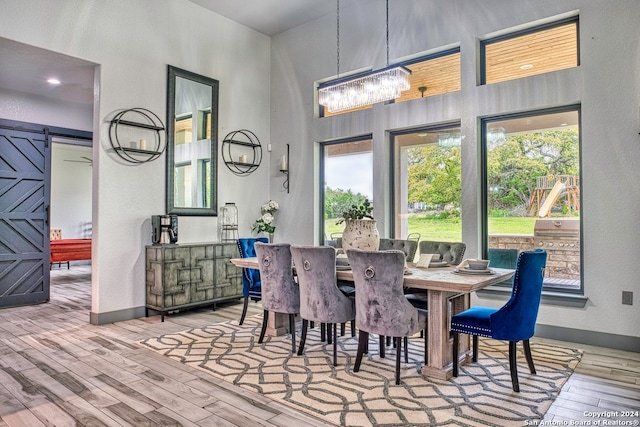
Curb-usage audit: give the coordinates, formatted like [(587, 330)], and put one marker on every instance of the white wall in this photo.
[(71, 190), (133, 41), (606, 84), (30, 108)]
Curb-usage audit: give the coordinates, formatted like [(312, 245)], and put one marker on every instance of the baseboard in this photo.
[(581, 336), (116, 316)]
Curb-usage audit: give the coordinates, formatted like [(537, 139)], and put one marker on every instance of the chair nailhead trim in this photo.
[(465, 328), (306, 265)]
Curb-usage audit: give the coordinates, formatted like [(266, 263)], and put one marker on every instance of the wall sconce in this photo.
[(284, 168)]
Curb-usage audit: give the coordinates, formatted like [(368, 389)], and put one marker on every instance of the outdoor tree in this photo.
[(337, 201), (514, 164), (434, 174)]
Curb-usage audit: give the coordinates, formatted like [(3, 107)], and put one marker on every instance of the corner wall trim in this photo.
[(580, 336), (116, 316)]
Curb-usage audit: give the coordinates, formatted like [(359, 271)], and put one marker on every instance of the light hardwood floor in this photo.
[(57, 369)]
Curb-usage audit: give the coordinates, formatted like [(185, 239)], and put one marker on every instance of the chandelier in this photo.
[(369, 88)]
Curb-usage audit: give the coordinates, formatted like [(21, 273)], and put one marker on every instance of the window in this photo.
[(531, 195), (526, 53), (437, 74), (346, 174), (428, 183)]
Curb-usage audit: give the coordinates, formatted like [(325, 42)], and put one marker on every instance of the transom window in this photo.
[(526, 53), (430, 75)]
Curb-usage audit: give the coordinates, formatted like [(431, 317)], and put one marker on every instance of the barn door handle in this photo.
[(46, 219)]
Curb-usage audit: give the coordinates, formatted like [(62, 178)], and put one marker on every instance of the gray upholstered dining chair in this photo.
[(450, 252), (280, 292), (381, 307), (320, 299), (409, 247)]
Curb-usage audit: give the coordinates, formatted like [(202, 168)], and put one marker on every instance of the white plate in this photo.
[(465, 270)]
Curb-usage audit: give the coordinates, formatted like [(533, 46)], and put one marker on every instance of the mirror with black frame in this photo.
[(192, 135)]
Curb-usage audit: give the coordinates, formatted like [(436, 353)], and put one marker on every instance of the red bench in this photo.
[(66, 250)]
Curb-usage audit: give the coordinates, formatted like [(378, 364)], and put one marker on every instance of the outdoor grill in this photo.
[(557, 227)]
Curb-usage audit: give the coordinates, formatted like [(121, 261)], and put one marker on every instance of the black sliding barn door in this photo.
[(25, 160)]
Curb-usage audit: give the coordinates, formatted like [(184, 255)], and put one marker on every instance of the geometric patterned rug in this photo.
[(480, 395)]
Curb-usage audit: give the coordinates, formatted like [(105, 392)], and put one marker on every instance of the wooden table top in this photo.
[(437, 279)]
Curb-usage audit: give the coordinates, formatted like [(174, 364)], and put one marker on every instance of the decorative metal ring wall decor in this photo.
[(247, 152), (139, 151)]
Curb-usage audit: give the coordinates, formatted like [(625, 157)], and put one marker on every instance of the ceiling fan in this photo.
[(86, 160)]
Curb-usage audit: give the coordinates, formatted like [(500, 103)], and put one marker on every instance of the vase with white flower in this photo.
[(264, 224)]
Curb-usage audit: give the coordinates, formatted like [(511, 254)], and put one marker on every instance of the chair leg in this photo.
[(426, 347), (513, 365), (455, 353), (265, 317), (527, 353), (244, 310), (303, 337), (329, 334), (323, 334), (474, 357), (406, 349), (292, 329), (335, 344), (312, 324), (353, 328), (363, 338), (398, 341), (342, 329), (382, 340)]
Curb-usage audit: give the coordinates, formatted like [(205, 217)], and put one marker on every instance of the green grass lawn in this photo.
[(450, 230)]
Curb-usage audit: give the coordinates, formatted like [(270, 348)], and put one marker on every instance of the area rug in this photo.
[(480, 395)]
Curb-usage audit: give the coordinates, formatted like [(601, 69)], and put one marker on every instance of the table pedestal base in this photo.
[(277, 324)]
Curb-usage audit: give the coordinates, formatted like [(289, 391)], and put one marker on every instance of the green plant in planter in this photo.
[(360, 211)]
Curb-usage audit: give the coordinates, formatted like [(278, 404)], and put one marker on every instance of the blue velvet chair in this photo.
[(515, 321), (251, 285)]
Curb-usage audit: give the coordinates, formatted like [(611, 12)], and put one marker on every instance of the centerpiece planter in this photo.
[(360, 231), (360, 234)]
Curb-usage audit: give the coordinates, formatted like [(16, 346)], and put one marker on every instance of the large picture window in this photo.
[(532, 193), (428, 184), (346, 174)]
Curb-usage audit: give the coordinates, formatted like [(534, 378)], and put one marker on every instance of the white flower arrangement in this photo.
[(265, 222)]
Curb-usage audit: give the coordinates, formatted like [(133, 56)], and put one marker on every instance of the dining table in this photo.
[(448, 293)]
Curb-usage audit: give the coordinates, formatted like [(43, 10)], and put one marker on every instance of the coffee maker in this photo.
[(164, 229)]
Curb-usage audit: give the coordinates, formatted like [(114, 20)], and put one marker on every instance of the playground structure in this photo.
[(549, 189)]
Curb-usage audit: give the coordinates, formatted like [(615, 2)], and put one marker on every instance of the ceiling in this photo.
[(270, 17), (25, 68)]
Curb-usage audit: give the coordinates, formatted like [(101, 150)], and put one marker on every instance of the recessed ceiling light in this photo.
[(563, 124), (423, 134), (526, 66), (53, 81)]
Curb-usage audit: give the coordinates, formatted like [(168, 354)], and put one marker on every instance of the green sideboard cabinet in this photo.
[(183, 276)]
